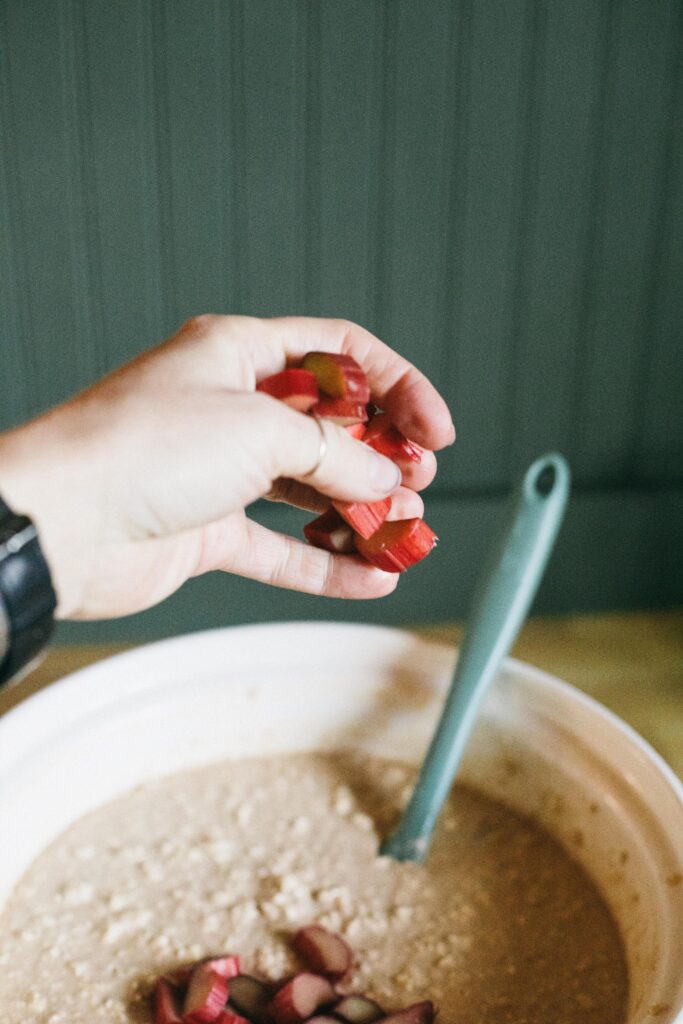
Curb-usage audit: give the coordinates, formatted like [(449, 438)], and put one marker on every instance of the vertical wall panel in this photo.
[(454, 262), (47, 193), (553, 232), (657, 430), (86, 249), (197, 56), (496, 188), (634, 130), (14, 311), (416, 228), (381, 163), (500, 64), (111, 66), (275, 139), (347, 136)]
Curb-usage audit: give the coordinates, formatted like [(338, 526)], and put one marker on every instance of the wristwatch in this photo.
[(27, 597)]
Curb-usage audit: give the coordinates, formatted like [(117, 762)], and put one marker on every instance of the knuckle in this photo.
[(345, 328), (344, 325), (404, 505), (309, 567), (316, 569), (199, 325)]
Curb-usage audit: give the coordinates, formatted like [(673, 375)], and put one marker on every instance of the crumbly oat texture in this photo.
[(499, 927)]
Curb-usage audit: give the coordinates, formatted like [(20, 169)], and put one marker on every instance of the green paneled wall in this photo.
[(494, 187)]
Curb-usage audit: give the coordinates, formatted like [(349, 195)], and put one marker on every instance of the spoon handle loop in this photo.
[(501, 602)]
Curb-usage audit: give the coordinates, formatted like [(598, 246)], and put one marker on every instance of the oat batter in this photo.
[(500, 926)]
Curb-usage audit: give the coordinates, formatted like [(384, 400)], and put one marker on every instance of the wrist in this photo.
[(27, 596), (29, 486)]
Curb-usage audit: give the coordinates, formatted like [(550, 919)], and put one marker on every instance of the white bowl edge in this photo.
[(45, 741)]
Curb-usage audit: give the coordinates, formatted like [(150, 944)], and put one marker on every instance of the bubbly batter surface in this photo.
[(499, 927)]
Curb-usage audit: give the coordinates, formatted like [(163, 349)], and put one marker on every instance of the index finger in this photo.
[(411, 400)]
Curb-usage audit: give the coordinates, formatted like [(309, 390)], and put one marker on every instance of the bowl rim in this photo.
[(33, 704), (145, 672)]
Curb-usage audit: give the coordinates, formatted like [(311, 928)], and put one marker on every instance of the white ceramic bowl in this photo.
[(540, 745)]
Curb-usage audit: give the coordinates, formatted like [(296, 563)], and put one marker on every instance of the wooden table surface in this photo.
[(633, 663)]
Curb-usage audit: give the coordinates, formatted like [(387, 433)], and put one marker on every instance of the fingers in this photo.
[(321, 454), (281, 561), (291, 492), (405, 503), (248, 349), (414, 404), (418, 475)]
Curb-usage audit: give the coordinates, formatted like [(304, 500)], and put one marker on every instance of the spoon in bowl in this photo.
[(502, 599)]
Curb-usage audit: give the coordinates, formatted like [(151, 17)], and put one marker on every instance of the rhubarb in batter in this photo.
[(499, 926)]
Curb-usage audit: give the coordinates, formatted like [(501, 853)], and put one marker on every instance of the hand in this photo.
[(141, 481)]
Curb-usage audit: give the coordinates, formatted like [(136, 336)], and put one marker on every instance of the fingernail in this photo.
[(385, 474), (452, 432)]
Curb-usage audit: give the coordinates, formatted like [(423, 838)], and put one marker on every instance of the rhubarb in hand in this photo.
[(397, 545), (329, 531), (364, 517), (297, 388), (342, 411), (386, 439), (338, 376), (356, 430)]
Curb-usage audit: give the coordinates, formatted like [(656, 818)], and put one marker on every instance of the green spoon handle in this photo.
[(500, 605)]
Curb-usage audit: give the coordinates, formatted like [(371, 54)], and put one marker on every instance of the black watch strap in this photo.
[(26, 593)]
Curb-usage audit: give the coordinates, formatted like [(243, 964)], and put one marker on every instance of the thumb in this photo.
[(325, 456)]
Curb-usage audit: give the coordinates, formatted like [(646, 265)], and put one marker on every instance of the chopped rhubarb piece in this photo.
[(329, 531), (297, 388), (206, 996), (359, 1010), (225, 966), (229, 1017), (181, 976), (356, 430), (387, 440), (364, 517), (397, 545), (323, 1018), (281, 982), (340, 411), (300, 998), (324, 952), (166, 1003), (338, 376), (418, 1013), (250, 998)]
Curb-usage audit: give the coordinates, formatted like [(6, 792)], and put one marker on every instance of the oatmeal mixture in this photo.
[(499, 926)]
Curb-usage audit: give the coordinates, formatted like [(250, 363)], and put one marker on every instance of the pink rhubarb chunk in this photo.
[(206, 996), (300, 998), (324, 952)]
